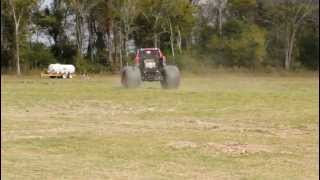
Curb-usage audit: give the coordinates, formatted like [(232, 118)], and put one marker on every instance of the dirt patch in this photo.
[(182, 144), (207, 125), (235, 148), (230, 148), (258, 130), (292, 133)]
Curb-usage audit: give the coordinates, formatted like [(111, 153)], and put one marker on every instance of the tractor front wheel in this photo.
[(170, 77), (130, 77)]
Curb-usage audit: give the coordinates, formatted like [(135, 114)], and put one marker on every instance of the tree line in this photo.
[(100, 35)]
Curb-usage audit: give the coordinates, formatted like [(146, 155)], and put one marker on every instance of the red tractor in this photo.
[(150, 65)]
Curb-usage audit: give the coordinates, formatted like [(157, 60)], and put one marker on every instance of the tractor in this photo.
[(150, 65)]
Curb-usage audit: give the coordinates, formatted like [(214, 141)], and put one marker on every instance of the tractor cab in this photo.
[(149, 53), (150, 62)]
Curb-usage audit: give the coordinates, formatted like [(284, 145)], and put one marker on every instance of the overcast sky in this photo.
[(41, 36), (45, 3)]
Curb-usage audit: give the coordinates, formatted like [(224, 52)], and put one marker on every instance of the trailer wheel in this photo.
[(130, 77), (64, 76), (170, 77)]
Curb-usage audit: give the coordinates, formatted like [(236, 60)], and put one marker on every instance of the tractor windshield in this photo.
[(150, 54)]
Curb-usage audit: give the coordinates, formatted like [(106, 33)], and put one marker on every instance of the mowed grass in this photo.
[(235, 126)]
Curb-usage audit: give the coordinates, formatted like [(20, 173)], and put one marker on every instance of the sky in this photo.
[(45, 3), (42, 37)]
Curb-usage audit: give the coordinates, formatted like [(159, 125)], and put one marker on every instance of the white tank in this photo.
[(61, 68)]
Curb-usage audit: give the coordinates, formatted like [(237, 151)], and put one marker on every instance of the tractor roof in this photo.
[(148, 49)]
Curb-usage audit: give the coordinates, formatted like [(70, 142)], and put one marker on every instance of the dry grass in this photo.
[(235, 126)]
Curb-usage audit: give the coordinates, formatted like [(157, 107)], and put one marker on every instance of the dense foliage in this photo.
[(101, 35)]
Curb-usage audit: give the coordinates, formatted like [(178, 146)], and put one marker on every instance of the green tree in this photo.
[(170, 21), (243, 9), (54, 22), (128, 11), (37, 56), (243, 44), (308, 44), (290, 15), (179, 21), (20, 11)]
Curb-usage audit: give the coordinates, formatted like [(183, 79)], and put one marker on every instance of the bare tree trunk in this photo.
[(120, 48), (109, 48), (126, 39), (79, 32), (117, 47), (289, 50), (2, 26), (90, 40), (109, 33), (171, 38), (17, 49), (179, 40), (220, 20), (17, 43), (112, 50), (155, 40)]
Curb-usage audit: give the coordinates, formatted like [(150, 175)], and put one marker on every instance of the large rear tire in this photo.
[(130, 77), (170, 77)]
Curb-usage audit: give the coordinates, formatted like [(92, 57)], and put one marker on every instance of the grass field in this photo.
[(236, 126)]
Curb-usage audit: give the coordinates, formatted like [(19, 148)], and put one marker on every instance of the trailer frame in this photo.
[(57, 75)]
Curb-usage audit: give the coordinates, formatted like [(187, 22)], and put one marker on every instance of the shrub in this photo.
[(242, 45), (309, 49), (37, 56)]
